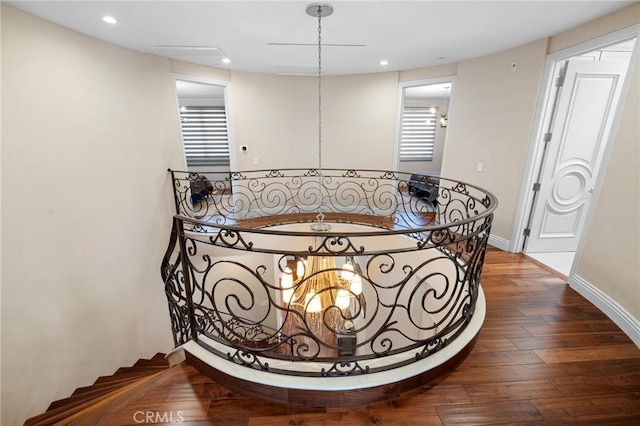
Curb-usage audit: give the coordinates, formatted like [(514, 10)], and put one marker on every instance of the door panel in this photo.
[(584, 113)]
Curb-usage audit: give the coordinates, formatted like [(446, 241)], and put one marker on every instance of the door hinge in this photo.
[(563, 73), (547, 137), (527, 232), (536, 187)]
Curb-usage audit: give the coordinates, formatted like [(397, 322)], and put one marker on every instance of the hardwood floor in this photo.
[(545, 355), (399, 221)]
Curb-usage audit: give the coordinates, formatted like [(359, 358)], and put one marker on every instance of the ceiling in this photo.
[(407, 34)]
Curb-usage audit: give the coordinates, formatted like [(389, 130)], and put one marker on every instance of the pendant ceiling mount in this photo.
[(321, 10)]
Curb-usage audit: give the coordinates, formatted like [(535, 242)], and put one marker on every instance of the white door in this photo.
[(584, 112)]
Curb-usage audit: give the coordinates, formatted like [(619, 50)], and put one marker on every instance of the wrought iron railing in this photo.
[(395, 279)]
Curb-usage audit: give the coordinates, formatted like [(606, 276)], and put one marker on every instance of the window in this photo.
[(205, 137), (418, 134)]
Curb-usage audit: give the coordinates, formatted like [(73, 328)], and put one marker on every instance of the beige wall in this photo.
[(491, 117), (360, 118), (611, 255), (443, 70), (617, 20), (0, 211), (277, 118), (274, 117), (89, 130)]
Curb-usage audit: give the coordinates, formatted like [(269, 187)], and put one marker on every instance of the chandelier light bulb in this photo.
[(356, 285), (312, 302), (342, 299), (300, 268), (286, 283), (347, 271)]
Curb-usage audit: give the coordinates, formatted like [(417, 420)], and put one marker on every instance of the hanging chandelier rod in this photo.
[(320, 10)]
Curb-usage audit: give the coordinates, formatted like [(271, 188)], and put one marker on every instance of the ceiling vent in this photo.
[(208, 55)]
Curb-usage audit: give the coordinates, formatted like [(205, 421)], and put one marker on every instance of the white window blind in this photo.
[(418, 134), (205, 136)]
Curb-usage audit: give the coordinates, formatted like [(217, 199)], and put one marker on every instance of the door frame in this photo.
[(399, 110), (535, 148), (233, 157)]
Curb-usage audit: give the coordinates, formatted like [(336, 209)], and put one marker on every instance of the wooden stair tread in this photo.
[(72, 401), (139, 369), (106, 385), (159, 357), (90, 410), (97, 386), (121, 398), (160, 363), (89, 392), (97, 389), (65, 412), (118, 377)]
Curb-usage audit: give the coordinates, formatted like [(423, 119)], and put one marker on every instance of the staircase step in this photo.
[(72, 401), (116, 378), (97, 389), (105, 388), (89, 392), (159, 357), (152, 363), (139, 369), (82, 407), (95, 410), (99, 386)]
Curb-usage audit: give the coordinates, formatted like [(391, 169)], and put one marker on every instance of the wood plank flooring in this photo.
[(544, 356), (399, 221)]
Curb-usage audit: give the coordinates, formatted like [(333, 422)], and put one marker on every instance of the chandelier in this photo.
[(314, 284)]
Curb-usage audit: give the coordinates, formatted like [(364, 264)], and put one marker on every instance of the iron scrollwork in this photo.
[(407, 283)]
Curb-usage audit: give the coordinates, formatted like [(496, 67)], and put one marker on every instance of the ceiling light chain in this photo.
[(320, 92), (320, 10)]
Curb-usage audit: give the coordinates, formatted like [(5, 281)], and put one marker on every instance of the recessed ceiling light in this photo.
[(109, 19), (226, 60), (384, 63), (441, 58)]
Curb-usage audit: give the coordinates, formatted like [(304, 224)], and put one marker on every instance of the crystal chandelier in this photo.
[(314, 284)]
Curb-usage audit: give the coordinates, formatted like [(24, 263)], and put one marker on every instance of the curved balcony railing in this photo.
[(394, 280)]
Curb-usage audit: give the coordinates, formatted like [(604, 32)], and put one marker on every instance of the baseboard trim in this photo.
[(499, 242), (623, 319)]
